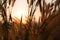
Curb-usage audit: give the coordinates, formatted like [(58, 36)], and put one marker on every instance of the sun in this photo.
[(19, 10), (18, 13)]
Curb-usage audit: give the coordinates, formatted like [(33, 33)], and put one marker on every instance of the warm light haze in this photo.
[(20, 9)]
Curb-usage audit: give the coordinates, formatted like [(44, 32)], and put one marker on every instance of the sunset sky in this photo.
[(21, 9)]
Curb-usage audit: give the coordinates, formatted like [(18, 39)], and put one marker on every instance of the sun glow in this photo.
[(18, 13), (20, 10)]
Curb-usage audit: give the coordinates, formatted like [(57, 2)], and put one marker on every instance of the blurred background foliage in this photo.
[(47, 28)]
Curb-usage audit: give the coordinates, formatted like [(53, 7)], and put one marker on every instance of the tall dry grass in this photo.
[(47, 25)]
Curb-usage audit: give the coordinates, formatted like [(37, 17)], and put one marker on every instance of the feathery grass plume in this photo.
[(5, 25), (49, 25), (30, 19), (47, 10), (31, 14)]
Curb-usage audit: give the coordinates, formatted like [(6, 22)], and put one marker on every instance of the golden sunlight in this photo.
[(20, 10)]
